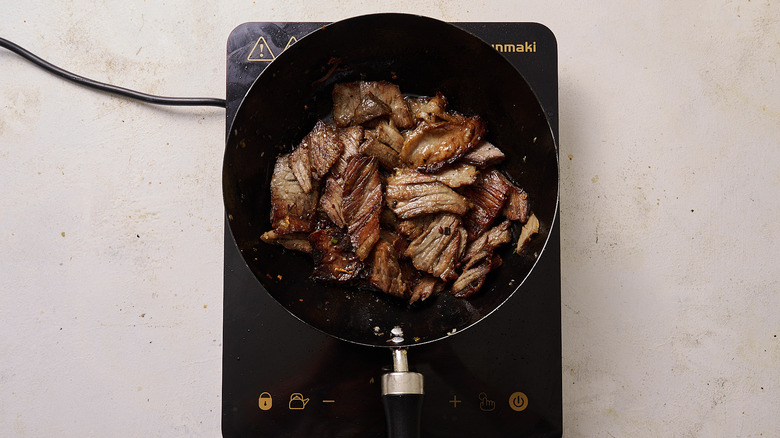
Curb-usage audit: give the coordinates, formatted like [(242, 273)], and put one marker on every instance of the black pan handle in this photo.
[(403, 412), (402, 395)]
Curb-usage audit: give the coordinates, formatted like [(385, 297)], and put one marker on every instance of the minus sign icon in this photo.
[(329, 401)]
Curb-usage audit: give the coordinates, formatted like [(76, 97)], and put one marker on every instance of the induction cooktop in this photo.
[(500, 378)]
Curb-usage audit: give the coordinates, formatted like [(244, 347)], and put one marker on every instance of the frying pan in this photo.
[(423, 56)]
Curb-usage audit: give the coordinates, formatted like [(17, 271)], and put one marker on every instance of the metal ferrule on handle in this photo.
[(401, 380), (402, 394)]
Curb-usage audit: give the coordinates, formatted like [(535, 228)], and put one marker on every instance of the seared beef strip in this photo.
[(427, 109), (489, 240), (457, 175), (384, 268), (383, 142), (529, 229), (425, 287), (334, 261), (295, 241), (480, 260), (349, 98), (474, 273), (487, 197), (439, 248), (391, 95), (484, 155), (387, 133), (351, 138), (362, 203), (346, 98), (324, 148), (318, 151), (292, 210), (431, 146), (387, 157), (369, 109), (517, 207), (332, 200), (332, 195), (410, 193), (301, 166)]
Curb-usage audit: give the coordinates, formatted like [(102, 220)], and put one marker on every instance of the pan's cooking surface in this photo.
[(516, 350)]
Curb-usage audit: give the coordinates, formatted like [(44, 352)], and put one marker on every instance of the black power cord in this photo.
[(113, 89)]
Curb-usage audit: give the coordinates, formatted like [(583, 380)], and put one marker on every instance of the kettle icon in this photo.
[(297, 402)]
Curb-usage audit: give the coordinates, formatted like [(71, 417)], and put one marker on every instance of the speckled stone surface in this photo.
[(111, 220)]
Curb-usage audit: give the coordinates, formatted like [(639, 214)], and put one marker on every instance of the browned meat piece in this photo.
[(332, 199), (295, 241), (484, 155), (369, 109), (351, 138), (529, 229), (459, 174), (487, 196), (427, 109), (430, 147), (517, 207), (426, 287), (439, 248), (384, 268), (362, 203), (332, 195), (410, 193), (391, 95), (324, 148), (350, 98), (346, 98), (292, 210), (318, 151), (387, 133), (301, 166), (334, 261), (480, 260), (387, 157), (383, 142), (489, 240), (474, 273)]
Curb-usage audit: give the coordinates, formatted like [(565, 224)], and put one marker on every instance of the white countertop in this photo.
[(111, 219)]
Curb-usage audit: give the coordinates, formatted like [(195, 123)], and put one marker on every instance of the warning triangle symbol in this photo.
[(261, 51), (292, 41)]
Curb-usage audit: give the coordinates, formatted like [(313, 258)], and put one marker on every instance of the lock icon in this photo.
[(297, 402), (265, 401)]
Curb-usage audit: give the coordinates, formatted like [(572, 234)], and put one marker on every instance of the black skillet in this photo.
[(423, 56)]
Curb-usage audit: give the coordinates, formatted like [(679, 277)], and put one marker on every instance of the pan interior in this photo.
[(423, 56)]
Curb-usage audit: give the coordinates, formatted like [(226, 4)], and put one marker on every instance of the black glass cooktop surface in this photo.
[(499, 378)]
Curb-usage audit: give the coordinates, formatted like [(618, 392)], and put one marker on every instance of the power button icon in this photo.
[(518, 401)]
